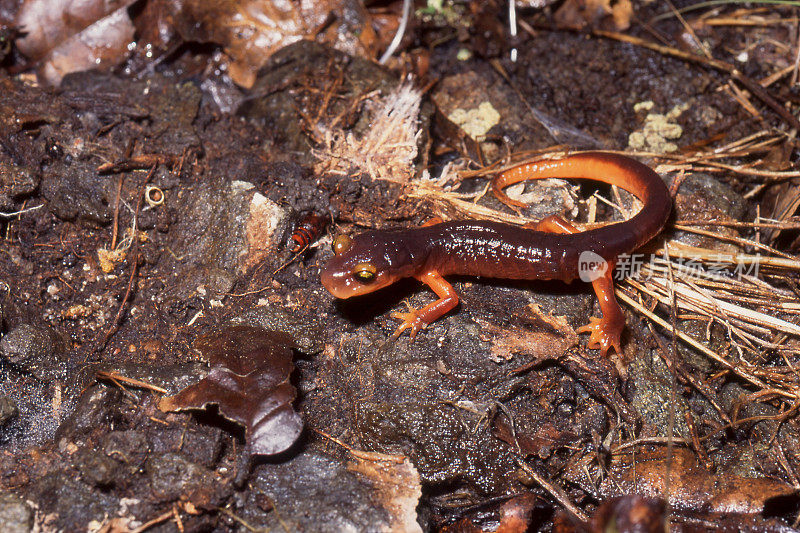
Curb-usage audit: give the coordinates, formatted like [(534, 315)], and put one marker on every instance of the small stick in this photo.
[(361, 454), (115, 376), (554, 490)]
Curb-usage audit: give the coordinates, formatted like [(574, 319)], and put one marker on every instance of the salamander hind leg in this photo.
[(417, 319), (605, 332), (553, 224)]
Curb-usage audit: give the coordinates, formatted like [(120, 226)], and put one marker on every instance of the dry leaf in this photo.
[(72, 36), (691, 487), (249, 30), (397, 489), (578, 14)]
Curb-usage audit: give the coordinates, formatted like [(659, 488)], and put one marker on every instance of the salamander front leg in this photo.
[(603, 332), (417, 319)]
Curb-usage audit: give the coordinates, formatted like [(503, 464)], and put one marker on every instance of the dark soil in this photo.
[(496, 385)]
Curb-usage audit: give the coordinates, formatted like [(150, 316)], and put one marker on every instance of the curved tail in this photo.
[(633, 176)]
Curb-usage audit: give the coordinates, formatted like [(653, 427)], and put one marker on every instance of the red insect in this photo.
[(309, 229)]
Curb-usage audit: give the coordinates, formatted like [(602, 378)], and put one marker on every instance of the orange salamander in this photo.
[(550, 249)]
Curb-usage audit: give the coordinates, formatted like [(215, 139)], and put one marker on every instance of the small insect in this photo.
[(308, 230)]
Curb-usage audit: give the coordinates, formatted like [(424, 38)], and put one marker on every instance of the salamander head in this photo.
[(365, 263)]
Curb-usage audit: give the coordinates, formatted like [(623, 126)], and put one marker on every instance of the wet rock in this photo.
[(173, 378), (104, 98), (15, 515), (172, 477), (129, 447), (94, 408), (478, 102), (15, 183), (306, 331), (8, 409), (36, 420), (297, 64), (34, 348), (200, 444), (226, 227), (70, 505), (77, 192), (703, 197), (97, 468), (439, 443), (313, 492), (652, 382)]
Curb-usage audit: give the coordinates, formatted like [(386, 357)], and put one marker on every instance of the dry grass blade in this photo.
[(727, 289)]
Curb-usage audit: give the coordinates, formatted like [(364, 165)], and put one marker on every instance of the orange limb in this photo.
[(432, 222), (603, 332), (417, 319), (503, 180), (553, 224)]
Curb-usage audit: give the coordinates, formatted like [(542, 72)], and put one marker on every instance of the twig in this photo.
[(744, 374), (134, 268), (20, 212), (361, 454), (554, 490), (155, 521), (114, 376), (115, 227), (736, 224)]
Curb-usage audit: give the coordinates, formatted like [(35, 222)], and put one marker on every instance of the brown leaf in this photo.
[(539, 334), (546, 438), (578, 14), (515, 517), (516, 514), (70, 36), (397, 490), (691, 487), (249, 381), (630, 513), (249, 30)]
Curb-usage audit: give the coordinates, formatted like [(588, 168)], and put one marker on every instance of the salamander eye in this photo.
[(364, 272), (341, 244)]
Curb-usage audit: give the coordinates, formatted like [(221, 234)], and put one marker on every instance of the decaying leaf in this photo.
[(540, 335), (515, 517), (626, 513), (689, 485), (546, 437), (251, 30), (631, 513), (578, 14), (397, 489), (249, 381), (70, 36)]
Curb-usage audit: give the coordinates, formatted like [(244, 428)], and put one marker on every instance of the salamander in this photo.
[(551, 249)]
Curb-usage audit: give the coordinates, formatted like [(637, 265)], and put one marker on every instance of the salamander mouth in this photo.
[(342, 284)]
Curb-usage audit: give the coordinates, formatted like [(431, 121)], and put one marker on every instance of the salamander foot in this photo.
[(411, 320), (603, 335)]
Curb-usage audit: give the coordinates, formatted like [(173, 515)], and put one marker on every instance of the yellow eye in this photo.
[(341, 244), (364, 272)]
